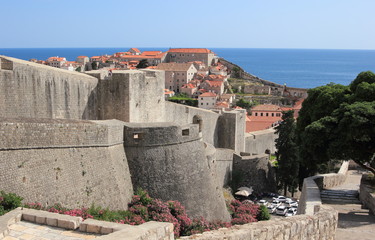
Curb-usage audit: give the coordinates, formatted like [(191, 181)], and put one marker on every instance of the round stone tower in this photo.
[(169, 161)]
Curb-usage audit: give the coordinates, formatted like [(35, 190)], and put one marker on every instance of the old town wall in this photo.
[(72, 162)]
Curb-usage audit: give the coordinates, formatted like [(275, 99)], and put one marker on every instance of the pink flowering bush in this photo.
[(143, 208), (243, 213)]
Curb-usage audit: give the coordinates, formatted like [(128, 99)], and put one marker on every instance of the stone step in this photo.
[(340, 195), (341, 201)]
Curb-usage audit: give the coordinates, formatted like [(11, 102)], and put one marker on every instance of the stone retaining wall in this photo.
[(319, 226), (109, 230), (310, 201), (367, 194), (315, 221)]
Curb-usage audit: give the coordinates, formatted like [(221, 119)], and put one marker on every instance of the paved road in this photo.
[(354, 222)]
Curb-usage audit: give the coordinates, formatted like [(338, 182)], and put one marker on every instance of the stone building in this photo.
[(207, 100), (56, 62), (183, 55), (177, 74)]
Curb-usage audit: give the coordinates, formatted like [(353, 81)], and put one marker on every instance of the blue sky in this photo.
[(322, 24)]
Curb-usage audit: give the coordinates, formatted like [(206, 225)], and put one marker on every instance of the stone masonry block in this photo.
[(28, 217), (67, 224), (83, 227), (93, 228), (40, 219), (106, 230), (51, 222)]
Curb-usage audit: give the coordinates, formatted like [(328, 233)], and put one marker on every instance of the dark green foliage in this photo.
[(143, 64), (263, 214), (338, 122), (184, 99), (367, 77), (286, 154), (9, 201), (94, 65), (78, 69), (236, 72), (244, 104)]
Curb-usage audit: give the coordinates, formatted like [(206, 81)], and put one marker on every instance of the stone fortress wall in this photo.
[(68, 161), (58, 144), (63, 151)]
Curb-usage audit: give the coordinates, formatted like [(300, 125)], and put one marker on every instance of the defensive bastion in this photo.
[(60, 142)]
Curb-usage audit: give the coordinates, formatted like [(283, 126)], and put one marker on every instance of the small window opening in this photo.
[(185, 132)]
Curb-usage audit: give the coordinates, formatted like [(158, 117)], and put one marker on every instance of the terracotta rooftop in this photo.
[(56, 59), (208, 94), (214, 83), (266, 107), (135, 50), (82, 57), (190, 50)]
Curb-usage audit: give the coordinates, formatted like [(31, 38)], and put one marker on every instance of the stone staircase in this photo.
[(331, 196)]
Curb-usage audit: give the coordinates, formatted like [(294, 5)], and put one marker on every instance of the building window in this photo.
[(201, 103), (277, 114), (207, 104), (256, 114), (273, 114), (261, 114), (266, 114)]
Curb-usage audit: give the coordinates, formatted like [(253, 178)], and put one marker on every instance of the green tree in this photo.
[(286, 154), (94, 65), (338, 122), (143, 64), (244, 104), (236, 72), (78, 69)]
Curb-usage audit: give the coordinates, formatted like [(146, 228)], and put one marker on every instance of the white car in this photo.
[(281, 210), (263, 202), (291, 212), (271, 208), (276, 202), (291, 203), (280, 199)]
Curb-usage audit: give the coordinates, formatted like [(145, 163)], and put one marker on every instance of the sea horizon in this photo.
[(295, 67)]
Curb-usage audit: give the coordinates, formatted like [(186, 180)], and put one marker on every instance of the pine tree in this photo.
[(286, 153)]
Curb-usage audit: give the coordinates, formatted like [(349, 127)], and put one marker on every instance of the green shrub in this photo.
[(10, 201), (263, 213)]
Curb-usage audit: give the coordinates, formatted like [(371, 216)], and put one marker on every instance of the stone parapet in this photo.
[(319, 226), (58, 133), (367, 194), (310, 201), (109, 230)]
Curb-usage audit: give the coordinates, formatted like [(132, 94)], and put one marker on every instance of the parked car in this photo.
[(291, 212), (281, 210), (294, 207), (271, 208), (276, 202), (280, 199), (263, 202), (291, 204)]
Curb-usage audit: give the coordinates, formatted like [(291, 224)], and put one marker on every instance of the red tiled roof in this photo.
[(150, 53), (82, 57), (266, 107), (214, 83), (189, 85), (208, 94), (222, 104), (56, 59), (135, 50), (189, 50)]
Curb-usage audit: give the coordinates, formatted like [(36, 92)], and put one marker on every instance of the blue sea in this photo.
[(304, 68)]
